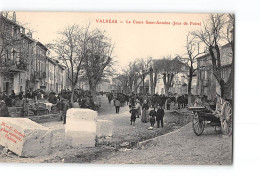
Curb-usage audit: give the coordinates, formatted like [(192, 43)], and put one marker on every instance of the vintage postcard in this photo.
[(117, 88)]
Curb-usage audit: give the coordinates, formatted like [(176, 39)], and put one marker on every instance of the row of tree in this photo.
[(86, 54), (217, 30), (134, 75)]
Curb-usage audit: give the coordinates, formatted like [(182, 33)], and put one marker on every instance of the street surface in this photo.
[(181, 147), (176, 144)]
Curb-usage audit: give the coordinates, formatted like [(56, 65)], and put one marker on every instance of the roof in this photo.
[(42, 45), (61, 66), (203, 56), (226, 45), (29, 38), (10, 21), (52, 60)]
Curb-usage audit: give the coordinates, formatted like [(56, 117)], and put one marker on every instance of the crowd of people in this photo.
[(150, 108), (140, 106), (61, 101)]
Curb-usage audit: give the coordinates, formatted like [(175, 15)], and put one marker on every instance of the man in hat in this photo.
[(159, 116)]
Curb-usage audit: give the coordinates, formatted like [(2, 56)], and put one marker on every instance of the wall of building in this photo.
[(33, 53), (207, 84)]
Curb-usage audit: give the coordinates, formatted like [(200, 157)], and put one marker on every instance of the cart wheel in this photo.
[(198, 124), (226, 123)]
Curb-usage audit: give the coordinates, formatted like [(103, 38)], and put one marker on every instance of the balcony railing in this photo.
[(38, 75), (14, 65)]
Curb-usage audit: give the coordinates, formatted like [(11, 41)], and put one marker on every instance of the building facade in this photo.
[(207, 84), (23, 61)]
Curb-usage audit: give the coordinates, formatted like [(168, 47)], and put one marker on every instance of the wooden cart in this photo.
[(222, 116)]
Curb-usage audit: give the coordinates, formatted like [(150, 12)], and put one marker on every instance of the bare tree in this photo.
[(169, 68), (139, 69), (69, 51), (122, 82), (193, 51), (97, 56), (135, 73), (154, 73), (218, 28)]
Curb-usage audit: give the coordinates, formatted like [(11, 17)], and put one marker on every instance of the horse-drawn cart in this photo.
[(221, 116)]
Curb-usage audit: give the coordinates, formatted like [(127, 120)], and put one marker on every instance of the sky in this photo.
[(131, 40)]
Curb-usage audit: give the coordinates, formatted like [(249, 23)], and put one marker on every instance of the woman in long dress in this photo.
[(145, 112)]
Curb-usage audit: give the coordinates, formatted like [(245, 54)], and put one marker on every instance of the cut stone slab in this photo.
[(80, 128), (104, 128), (25, 137), (81, 114)]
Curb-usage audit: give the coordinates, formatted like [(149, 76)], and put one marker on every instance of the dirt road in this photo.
[(180, 147)]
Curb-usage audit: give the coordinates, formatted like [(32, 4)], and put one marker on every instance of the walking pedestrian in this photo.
[(117, 105), (159, 116)]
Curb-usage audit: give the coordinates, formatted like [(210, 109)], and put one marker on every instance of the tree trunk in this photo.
[(72, 93), (151, 82), (92, 88), (154, 83), (189, 86), (135, 87), (167, 87)]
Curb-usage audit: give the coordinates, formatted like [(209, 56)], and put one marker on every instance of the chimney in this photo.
[(29, 34), (14, 17)]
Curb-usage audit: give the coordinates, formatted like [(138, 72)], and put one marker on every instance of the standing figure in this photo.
[(133, 112), (64, 111), (145, 113), (152, 115), (12, 96), (3, 109), (110, 97), (159, 116), (138, 107), (60, 106), (25, 106), (117, 105)]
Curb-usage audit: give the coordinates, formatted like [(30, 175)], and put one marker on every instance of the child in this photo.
[(152, 115), (133, 112)]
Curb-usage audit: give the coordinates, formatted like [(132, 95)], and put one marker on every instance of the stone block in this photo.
[(80, 128), (25, 137), (104, 128), (81, 114)]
